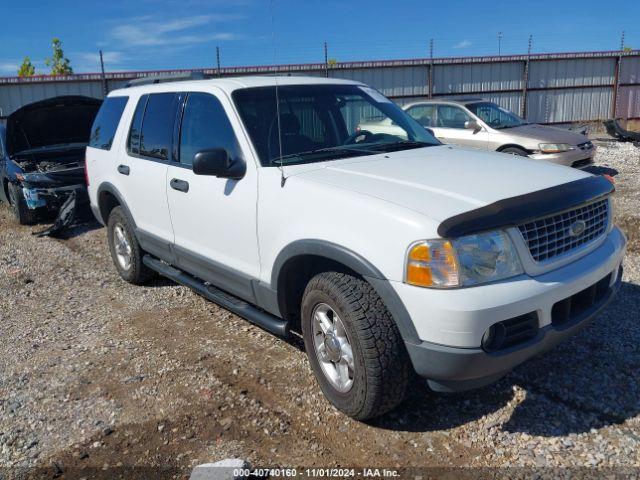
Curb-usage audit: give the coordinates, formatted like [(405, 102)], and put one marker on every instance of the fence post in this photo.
[(326, 60), (616, 79), (525, 79), (218, 72), (430, 68)]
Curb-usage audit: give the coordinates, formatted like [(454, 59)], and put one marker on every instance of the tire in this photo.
[(24, 215), (515, 151), (119, 227), (381, 368)]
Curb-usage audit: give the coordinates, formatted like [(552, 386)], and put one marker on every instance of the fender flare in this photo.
[(358, 264), (107, 187)]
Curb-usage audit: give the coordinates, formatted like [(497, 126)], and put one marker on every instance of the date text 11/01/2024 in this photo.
[(316, 473)]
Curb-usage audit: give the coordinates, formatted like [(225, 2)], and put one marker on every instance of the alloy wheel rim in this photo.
[(333, 348), (122, 246)]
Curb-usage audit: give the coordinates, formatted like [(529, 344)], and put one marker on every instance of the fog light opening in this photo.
[(493, 337)]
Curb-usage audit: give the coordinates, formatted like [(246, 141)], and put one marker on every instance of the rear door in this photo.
[(142, 170), (450, 128), (214, 219)]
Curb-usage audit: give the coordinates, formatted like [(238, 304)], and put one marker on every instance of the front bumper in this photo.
[(450, 369), (451, 323), (578, 158), (52, 198)]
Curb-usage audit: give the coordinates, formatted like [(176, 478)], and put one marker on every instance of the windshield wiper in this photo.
[(336, 149), (402, 143)]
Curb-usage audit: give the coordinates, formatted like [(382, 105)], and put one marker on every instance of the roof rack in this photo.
[(178, 77)]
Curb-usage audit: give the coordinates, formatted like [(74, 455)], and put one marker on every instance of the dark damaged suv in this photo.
[(42, 155)]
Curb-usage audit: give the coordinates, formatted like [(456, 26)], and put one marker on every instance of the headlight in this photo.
[(470, 260), (555, 147)]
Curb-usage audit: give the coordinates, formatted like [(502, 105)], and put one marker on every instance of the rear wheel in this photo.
[(515, 151), (354, 346), (21, 211), (125, 249)]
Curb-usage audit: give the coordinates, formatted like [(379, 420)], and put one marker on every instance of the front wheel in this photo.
[(24, 215), (514, 151), (354, 346)]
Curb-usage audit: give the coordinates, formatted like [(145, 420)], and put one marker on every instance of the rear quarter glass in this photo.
[(106, 122)]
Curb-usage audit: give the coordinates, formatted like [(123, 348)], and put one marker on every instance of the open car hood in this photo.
[(55, 121)]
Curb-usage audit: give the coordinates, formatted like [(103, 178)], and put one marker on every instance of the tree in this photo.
[(26, 69), (59, 64)]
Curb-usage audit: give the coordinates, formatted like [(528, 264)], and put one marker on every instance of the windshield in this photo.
[(325, 122), (495, 116)]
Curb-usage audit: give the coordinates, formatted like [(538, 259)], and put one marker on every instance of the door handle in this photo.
[(123, 169), (179, 185)]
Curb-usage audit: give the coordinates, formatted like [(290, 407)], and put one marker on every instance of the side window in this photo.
[(205, 125), (106, 123), (423, 114), (450, 116), (152, 126), (133, 142)]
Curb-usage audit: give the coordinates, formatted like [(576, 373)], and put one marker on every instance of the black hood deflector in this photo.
[(54, 121), (524, 208)]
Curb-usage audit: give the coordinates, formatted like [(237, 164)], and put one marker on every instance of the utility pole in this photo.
[(431, 68), (326, 60), (622, 42), (219, 73), (105, 88), (499, 43)]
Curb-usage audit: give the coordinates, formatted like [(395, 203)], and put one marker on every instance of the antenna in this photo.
[(283, 179)]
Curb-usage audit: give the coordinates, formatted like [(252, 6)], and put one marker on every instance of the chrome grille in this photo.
[(552, 236)]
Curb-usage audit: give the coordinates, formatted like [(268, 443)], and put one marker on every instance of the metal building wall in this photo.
[(391, 81), (571, 73), (15, 96), (569, 105), (629, 102), (477, 77), (562, 88)]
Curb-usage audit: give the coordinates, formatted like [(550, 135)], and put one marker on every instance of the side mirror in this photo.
[(217, 163), (472, 125)]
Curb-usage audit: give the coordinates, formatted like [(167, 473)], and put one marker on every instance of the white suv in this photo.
[(390, 254)]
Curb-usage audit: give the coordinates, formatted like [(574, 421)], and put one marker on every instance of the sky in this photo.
[(168, 34)]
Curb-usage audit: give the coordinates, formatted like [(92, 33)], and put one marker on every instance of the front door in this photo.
[(450, 128), (214, 219)]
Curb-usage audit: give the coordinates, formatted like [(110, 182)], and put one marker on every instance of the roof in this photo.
[(229, 84)]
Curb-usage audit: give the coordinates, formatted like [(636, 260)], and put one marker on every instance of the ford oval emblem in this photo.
[(577, 228)]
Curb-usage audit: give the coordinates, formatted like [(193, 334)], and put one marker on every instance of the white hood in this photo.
[(441, 181)]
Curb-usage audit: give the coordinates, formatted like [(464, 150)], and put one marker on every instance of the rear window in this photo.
[(151, 132), (106, 122)]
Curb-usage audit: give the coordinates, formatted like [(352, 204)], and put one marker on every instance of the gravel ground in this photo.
[(98, 377)]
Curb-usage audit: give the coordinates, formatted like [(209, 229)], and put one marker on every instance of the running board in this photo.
[(241, 308)]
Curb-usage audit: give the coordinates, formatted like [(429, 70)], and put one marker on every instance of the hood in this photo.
[(441, 181), (543, 134), (55, 121)]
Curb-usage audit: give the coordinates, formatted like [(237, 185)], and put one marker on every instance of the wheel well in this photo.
[(107, 201), (511, 145), (294, 277)]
